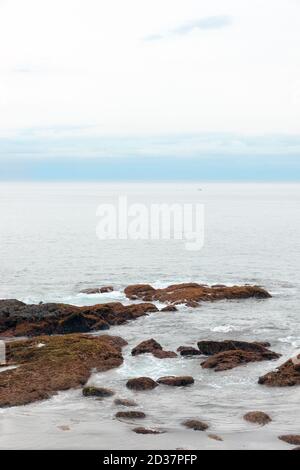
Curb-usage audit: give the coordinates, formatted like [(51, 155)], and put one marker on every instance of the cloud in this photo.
[(205, 23)]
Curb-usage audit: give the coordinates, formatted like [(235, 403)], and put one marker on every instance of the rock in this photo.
[(20, 319), (169, 308), (64, 362), (153, 347), (141, 383), (192, 293), (287, 375), (130, 414), (101, 392), (231, 359), (141, 430), (209, 348), (257, 417), (97, 290), (188, 351), (293, 439), (64, 427), (124, 402), (195, 425), (215, 437), (176, 381)]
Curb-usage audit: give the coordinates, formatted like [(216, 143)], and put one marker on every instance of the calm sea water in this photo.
[(49, 251)]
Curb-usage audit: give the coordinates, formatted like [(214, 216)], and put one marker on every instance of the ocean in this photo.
[(49, 251)]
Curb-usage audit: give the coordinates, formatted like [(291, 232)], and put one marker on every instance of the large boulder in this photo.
[(287, 375), (209, 348), (153, 347), (192, 293), (173, 381), (141, 383), (20, 319), (231, 359), (62, 363)]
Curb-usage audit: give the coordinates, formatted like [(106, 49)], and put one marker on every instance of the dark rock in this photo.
[(141, 430), (215, 437), (209, 348), (97, 290), (124, 402), (188, 351), (169, 308), (195, 424), (19, 319), (153, 347), (141, 383), (63, 362), (90, 391), (231, 359), (287, 375), (257, 417), (192, 293), (130, 414), (176, 381), (293, 439)]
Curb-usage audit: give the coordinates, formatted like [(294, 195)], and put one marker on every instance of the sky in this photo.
[(106, 89)]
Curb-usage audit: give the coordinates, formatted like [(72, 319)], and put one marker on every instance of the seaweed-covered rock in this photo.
[(141, 383), (231, 359), (101, 392)]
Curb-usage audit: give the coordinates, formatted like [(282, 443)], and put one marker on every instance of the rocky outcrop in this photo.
[(97, 290), (20, 319), (195, 424), (192, 293), (62, 363), (257, 417), (100, 392), (188, 351), (293, 439), (231, 359), (173, 381), (287, 375), (141, 383), (209, 348), (153, 347), (130, 415)]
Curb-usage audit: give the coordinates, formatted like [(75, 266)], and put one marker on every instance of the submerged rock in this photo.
[(124, 402), (231, 359), (195, 424), (257, 417), (20, 319), (141, 430), (63, 362), (141, 383), (293, 439), (101, 392), (97, 290), (287, 375), (153, 347), (173, 381), (130, 414), (214, 437), (209, 348), (192, 293)]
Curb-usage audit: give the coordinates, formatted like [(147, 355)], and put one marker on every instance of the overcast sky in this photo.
[(102, 70)]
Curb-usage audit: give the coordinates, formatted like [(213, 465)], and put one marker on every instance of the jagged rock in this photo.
[(141, 383), (257, 417), (192, 293), (153, 347), (97, 290), (209, 348), (63, 362), (141, 430), (124, 402), (293, 439), (287, 375), (20, 319), (173, 381), (188, 351), (130, 414), (91, 391), (231, 359), (195, 424)]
